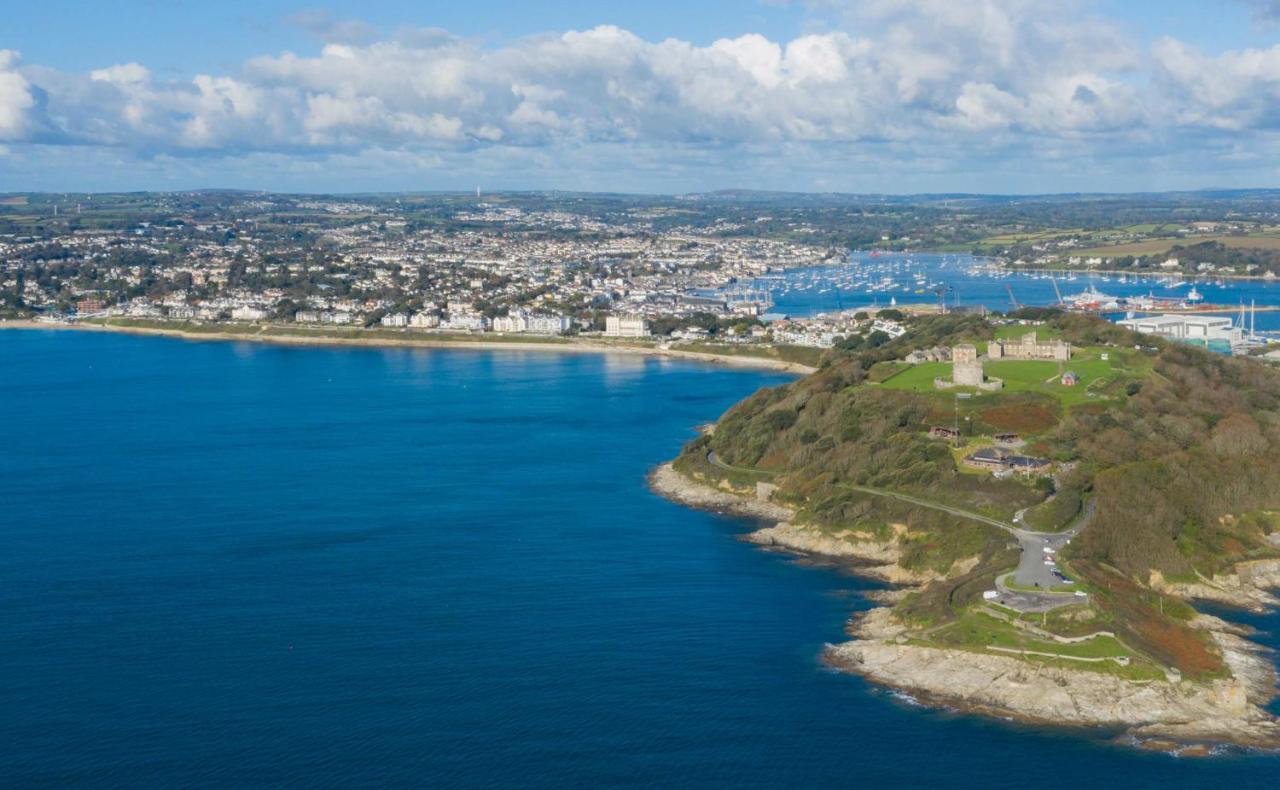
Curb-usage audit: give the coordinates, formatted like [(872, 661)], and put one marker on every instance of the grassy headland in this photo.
[(1177, 452)]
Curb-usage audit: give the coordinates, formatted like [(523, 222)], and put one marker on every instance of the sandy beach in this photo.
[(254, 334)]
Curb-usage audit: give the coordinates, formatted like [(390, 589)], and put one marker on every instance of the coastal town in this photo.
[(493, 269), (687, 270)]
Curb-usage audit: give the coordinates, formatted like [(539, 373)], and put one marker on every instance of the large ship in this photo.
[(1091, 299)]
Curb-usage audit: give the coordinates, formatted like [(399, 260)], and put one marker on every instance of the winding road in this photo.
[(1031, 573)]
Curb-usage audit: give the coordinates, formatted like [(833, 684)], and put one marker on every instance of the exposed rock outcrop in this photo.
[(1246, 586), (665, 480), (1165, 714), (1220, 710)]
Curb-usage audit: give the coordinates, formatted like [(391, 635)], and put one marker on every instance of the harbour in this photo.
[(942, 282)]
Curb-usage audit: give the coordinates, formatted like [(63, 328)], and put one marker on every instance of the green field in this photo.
[(1006, 239), (1258, 241), (1035, 375), (1016, 331), (978, 630)]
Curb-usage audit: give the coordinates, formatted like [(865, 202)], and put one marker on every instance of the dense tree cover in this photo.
[(1220, 255), (1166, 458), (714, 324), (1182, 465), (1181, 468), (827, 432)]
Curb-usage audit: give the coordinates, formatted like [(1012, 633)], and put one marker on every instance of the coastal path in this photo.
[(1033, 577)]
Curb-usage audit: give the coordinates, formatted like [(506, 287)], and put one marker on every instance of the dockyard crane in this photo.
[(1055, 289)]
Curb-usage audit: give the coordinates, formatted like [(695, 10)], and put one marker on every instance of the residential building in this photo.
[(626, 326), (424, 321), (465, 322), (1001, 462), (248, 313)]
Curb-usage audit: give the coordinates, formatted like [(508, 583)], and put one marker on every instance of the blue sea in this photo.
[(234, 565)]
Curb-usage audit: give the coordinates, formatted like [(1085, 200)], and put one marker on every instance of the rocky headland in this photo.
[(1172, 714)]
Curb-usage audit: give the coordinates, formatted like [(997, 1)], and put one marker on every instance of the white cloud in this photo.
[(941, 80), (1232, 91), (16, 99), (122, 74)]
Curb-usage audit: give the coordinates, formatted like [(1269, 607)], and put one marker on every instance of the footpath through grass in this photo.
[(981, 632)]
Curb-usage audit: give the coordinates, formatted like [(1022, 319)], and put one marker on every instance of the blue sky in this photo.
[(659, 96)]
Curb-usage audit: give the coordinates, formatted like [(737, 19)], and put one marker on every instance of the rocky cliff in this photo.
[(999, 685), (1169, 713)]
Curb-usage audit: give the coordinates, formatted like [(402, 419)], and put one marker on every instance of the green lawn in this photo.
[(1054, 514), (977, 630), (980, 629), (1035, 375), (919, 378), (1016, 331)]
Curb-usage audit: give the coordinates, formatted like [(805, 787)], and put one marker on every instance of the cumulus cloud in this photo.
[(931, 75), (1232, 91), (16, 99)]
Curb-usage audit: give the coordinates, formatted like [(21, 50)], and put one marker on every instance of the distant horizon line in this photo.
[(724, 192)]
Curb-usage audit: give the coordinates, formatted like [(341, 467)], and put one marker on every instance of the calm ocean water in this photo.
[(235, 565)]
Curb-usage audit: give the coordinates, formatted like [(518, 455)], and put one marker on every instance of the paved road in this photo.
[(1031, 571)]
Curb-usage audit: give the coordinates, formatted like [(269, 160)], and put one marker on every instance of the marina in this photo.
[(949, 281)]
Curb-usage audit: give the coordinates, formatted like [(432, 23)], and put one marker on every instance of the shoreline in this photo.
[(252, 334), (1189, 276), (1183, 718)]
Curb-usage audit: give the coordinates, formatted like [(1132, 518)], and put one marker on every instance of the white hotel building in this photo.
[(626, 326)]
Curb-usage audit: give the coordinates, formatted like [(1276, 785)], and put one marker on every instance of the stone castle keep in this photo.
[(966, 371)]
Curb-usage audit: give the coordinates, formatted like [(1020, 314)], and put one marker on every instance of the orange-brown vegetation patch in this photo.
[(773, 461), (1140, 621), (1020, 418), (1233, 547)]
